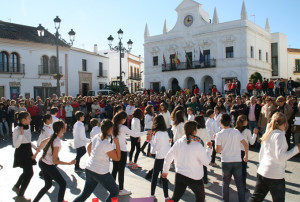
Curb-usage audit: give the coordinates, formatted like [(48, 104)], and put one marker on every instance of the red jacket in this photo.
[(196, 91), (33, 110), (258, 86), (250, 86), (214, 90), (271, 84), (61, 113), (233, 86)]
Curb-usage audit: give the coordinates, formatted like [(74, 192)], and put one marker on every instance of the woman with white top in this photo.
[(23, 156), (177, 128), (241, 125), (149, 112), (100, 151), (47, 130), (135, 141), (49, 161), (205, 137), (163, 110), (273, 156), (160, 141), (129, 110), (120, 131), (96, 130), (189, 171), (218, 114)]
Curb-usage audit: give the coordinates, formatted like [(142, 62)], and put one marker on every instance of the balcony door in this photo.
[(173, 63), (189, 60)]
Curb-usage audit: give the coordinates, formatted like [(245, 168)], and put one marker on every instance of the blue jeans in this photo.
[(92, 180), (235, 169), (4, 124), (252, 125)]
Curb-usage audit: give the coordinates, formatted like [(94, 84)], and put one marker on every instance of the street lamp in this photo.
[(120, 48), (41, 32)]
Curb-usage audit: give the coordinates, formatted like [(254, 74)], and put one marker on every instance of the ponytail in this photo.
[(239, 123), (106, 124), (278, 119), (21, 115), (189, 128), (117, 121), (57, 127)]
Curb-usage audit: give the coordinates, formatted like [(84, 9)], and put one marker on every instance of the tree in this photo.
[(255, 77)]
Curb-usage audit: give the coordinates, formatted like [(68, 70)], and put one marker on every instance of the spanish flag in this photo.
[(177, 61)]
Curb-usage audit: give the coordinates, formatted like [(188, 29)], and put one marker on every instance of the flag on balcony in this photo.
[(177, 61), (165, 63), (202, 58)]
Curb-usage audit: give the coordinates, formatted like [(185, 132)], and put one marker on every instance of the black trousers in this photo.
[(24, 179), (34, 124), (182, 182), (50, 173), (145, 145), (264, 185), (135, 144), (119, 167), (205, 178), (214, 153), (80, 153), (158, 166)]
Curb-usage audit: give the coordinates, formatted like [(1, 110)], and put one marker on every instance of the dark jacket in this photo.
[(239, 109), (257, 111)]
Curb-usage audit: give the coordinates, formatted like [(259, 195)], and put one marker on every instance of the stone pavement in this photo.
[(134, 181)]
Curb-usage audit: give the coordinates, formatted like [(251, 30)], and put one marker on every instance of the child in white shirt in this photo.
[(212, 129), (80, 139), (191, 116), (53, 113), (95, 128), (47, 130)]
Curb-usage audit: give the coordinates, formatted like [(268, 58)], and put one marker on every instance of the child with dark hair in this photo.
[(95, 128), (23, 153), (191, 114), (212, 128), (149, 112), (189, 171), (135, 141), (54, 112), (178, 124), (228, 143), (80, 139), (160, 141), (97, 169), (49, 161)]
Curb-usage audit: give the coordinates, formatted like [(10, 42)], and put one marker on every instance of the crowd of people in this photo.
[(183, 132)]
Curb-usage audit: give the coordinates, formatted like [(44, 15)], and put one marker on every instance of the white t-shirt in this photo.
[(248, 138), (160, 142), (178, 131), (230, 141), (95, 131), (48, 159), (46, 133), (203, 134), (99, 160), (191, 117)]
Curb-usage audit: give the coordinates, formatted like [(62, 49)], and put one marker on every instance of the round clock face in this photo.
[(188, 20)]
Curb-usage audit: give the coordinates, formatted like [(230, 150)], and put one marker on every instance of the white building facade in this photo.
[(28, 62), (228, 50)]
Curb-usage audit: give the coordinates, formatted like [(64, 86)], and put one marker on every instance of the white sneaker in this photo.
[(124, 192), (207, 185)]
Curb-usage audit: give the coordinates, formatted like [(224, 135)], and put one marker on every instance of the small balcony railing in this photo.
[(12, 69), (296, 69), (190, 65), (135, 76), (45, 70)]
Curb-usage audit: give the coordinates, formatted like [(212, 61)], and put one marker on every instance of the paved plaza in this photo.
[(134, 180)]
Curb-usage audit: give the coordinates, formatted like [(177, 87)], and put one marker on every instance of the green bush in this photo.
[(255, 77)]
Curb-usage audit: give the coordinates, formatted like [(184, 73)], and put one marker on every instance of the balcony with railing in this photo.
[(297, 70), (46, 71), (102, 74), (188, 66), (12, 69), (135, 77)]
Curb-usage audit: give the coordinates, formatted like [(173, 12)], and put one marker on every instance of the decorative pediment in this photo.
[(205, 43), (229, 39), (172, 48), (155, 50), (188, 44)]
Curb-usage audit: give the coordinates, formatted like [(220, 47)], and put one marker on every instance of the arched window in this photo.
[(52, 65), (3, 61), (45, 64), (14, 63)]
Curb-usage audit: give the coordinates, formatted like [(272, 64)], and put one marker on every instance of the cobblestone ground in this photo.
[(134, 180)]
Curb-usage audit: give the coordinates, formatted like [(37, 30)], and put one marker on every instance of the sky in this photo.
[(94, 20)]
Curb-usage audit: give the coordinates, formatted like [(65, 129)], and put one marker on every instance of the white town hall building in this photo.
[(234, 49)]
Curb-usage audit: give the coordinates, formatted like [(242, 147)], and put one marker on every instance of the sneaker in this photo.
[(214, 165), (134, 167), (130, 164), (207, 185), (124, 192), (22, 199), (79, 170), (16, 189)]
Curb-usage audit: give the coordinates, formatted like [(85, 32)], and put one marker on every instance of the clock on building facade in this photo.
[(188, 20)]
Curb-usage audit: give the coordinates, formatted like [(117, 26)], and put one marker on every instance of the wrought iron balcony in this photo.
[(135, 77), (12, 69), (296, 69), (192, 65), (45, 70)]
